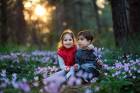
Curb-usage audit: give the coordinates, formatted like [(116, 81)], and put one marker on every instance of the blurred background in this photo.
[(30, 31), (37, 24)]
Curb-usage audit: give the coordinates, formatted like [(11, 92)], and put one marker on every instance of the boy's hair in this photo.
[(86, 34), (67, 31)]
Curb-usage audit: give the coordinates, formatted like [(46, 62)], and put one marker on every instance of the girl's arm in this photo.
[(61, 62)]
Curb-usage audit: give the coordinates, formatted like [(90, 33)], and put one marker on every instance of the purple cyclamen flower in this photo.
[(85, 75), (71, 81), (78, 81), (88, 90), (24, 86), (53, 87), (80, 73), (118, 65), (126, 67)]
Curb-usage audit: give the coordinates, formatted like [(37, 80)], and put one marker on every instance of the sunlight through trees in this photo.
[(40, 12)]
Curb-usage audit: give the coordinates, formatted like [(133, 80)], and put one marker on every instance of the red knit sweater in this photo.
[(68, 54)]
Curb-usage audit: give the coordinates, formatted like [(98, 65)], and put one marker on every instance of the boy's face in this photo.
[(83, 42)]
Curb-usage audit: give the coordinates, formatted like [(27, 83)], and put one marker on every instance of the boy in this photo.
[(85, 59)]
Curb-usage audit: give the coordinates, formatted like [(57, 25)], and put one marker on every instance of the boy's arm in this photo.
[(98, 60), (100, 63), (77, 62)]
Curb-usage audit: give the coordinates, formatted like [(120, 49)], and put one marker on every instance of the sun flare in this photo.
[(40, 10)]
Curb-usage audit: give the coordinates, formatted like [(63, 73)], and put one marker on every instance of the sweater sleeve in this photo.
[(61, 62), (77, 61)]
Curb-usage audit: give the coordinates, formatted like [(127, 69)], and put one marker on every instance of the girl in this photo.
[(66, 55), (66, 52)]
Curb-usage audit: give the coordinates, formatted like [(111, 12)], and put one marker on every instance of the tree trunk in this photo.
[(4, 31), (97, 16), (70, 17), (134, 16), (134, 23), (126, 24), (79, 14), (120, 22), (20, 23), (58, 21)]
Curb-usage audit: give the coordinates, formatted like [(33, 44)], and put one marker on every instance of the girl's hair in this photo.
[(67, 31)]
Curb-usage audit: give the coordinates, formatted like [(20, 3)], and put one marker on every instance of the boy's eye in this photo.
[(80, 39), (65, 39)]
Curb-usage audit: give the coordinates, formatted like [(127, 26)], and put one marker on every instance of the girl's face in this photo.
[(83, 42), (67, 41)]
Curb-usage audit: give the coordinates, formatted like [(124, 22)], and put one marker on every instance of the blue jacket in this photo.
[(87, 60)]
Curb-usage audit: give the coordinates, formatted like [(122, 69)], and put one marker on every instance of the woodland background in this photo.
[(30, 31), (37, 24)]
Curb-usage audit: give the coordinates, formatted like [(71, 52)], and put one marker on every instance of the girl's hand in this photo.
[(67, 68), (76, 66), (90, 47)]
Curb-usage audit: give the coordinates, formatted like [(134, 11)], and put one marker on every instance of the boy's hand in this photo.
[(90, 47), (100, 63)]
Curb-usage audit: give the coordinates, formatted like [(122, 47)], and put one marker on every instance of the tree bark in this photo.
[(20, 23), (120, 22), (134, 16), (79, 14), (97, 16), (134, 24), (4, 31)]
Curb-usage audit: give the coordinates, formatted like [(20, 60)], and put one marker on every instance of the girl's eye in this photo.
[(70, 39)]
